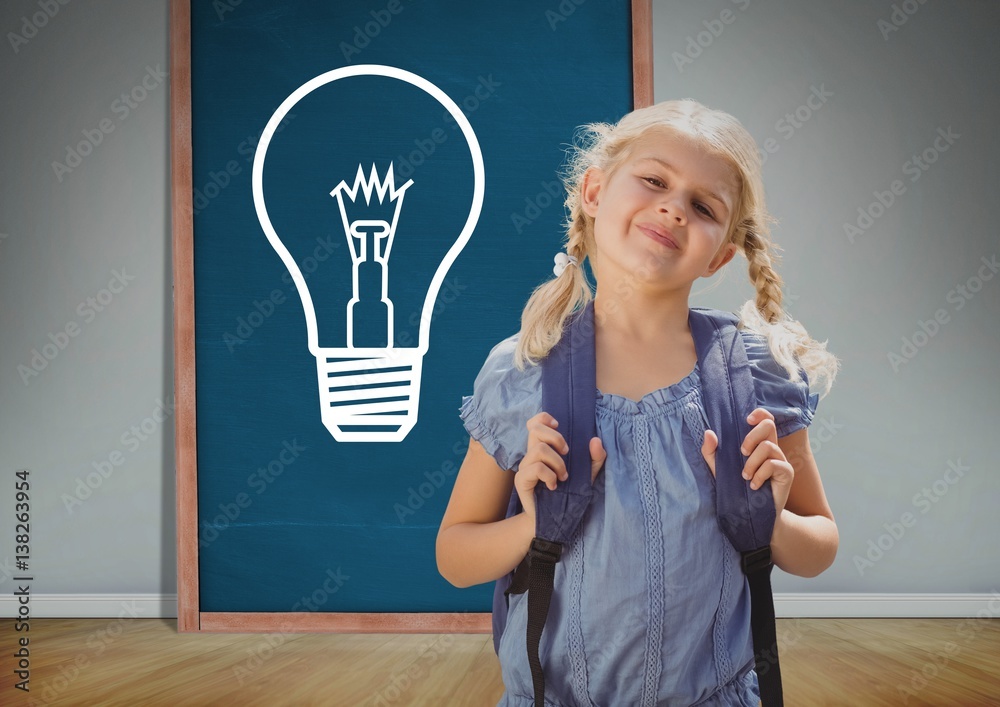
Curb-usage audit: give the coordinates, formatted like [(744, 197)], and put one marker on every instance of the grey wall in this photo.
[(106, 392), (885, 433), (66, 237)]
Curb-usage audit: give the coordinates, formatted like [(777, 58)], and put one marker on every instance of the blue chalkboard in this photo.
[(320, 463)]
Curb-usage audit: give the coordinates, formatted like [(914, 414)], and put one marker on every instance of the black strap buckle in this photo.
[(756, 560), (545, 550)]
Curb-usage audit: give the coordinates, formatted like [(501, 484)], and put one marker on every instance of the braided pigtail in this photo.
[(789, 342), (554, 301)]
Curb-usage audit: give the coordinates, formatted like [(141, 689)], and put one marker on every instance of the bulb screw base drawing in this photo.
[(369, 395)]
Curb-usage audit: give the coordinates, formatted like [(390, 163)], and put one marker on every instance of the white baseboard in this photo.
[(886, 606), (92, 606), (154, 606)]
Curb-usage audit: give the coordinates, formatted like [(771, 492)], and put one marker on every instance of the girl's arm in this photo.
[(476, 543), (805, 537)]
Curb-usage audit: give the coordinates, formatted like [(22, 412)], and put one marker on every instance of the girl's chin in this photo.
[(641, 258)]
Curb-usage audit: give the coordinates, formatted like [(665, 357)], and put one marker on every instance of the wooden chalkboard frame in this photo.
[(190, 618)]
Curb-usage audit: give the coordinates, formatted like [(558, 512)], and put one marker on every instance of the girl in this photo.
[(650, 605)]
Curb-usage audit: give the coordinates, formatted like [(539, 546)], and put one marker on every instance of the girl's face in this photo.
[(662, 216)]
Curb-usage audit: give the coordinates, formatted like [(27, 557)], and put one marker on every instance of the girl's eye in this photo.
[(657, 183)]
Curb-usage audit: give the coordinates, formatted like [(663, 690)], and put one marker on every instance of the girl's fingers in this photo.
[(547, 477), (530, 475), (708, 446), (545, 419), (776, 470), (758, 414), (760, 476), (764, 429), (540, 431), (551, 458), (598, 455), (764, 451), (542, 463)]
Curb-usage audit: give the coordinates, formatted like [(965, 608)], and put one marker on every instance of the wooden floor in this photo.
[(854, 662)]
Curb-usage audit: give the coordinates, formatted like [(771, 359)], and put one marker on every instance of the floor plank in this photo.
[(128, 662)]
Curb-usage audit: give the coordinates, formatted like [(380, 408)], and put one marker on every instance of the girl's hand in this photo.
[(543, 462), (765, 458)]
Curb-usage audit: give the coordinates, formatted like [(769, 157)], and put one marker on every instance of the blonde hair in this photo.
[(607, 147)]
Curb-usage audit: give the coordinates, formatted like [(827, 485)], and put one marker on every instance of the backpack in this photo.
[(746, 516)]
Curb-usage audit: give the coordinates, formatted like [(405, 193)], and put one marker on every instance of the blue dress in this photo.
[(650, 606)]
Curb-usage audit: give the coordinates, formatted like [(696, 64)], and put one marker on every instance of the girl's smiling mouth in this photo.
[(658, 235)]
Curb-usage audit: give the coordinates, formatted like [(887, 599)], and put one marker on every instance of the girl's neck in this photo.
[(637, 316)]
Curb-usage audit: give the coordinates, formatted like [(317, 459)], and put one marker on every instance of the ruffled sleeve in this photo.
[(503, 400), (790, 401)]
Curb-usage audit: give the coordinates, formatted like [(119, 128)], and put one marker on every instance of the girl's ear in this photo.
[(590, 191), (724, 255)]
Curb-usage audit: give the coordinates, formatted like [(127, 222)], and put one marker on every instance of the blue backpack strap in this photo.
[(745, 515), (569, 384)]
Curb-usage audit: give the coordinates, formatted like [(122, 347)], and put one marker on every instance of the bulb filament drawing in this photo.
[(370, 241)]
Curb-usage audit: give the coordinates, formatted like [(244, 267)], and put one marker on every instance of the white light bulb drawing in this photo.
[(369, 385)]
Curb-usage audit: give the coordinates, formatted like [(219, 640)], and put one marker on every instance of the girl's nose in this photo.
[(673, 207)]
